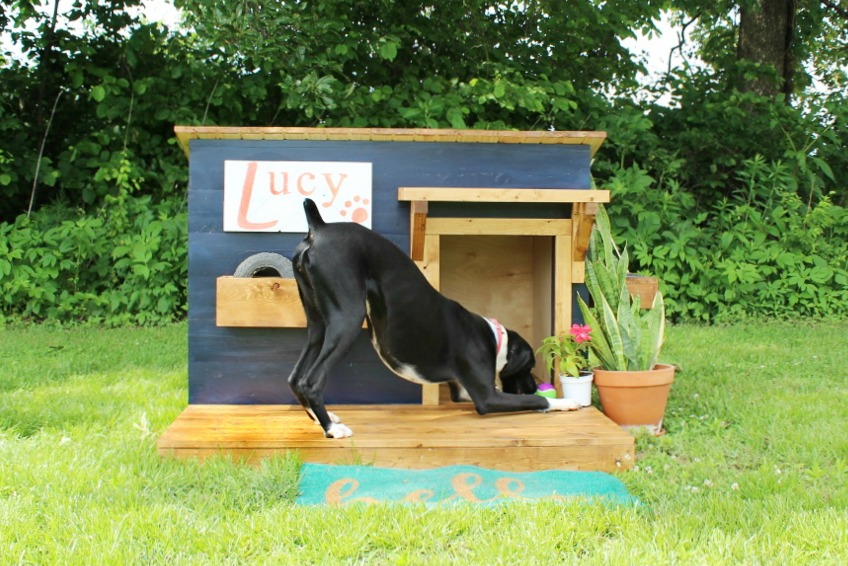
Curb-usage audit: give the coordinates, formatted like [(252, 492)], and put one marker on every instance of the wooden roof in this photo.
[(187, 133)]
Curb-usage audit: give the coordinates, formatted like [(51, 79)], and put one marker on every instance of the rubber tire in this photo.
[(265, 264)]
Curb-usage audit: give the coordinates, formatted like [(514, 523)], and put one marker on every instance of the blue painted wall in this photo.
[(250, 365)]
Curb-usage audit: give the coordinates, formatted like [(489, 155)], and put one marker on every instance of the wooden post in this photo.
[(562, 281), (429, 264), (417, 228), (583, 218)]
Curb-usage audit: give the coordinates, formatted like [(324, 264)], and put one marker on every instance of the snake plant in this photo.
[(626, 337)]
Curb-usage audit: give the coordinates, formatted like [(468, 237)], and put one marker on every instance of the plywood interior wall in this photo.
[(503, 277)]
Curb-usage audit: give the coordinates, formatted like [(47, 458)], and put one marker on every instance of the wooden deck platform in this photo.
[(406, 436)]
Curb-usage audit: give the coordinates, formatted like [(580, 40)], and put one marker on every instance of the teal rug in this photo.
[(322, 484)]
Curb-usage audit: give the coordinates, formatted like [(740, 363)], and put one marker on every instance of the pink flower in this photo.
[(581, 333)]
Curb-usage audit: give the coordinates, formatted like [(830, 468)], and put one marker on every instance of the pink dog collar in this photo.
[(501, 343)]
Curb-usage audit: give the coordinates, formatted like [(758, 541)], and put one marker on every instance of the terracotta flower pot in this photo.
[(635, 399)]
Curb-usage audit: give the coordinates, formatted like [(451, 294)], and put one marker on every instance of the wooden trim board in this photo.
[(406, 436), (499, 227), (187, 133), (462, 194)]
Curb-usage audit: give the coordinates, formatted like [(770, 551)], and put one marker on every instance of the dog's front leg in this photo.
[(499, 402), (487, 399), (562, 404)]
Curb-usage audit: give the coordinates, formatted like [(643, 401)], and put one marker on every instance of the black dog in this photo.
[(346, 273)]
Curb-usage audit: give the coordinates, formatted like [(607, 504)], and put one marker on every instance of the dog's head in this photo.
[(516, 376)]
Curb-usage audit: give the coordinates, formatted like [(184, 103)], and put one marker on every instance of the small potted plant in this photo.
[(633, 387), (569, 352)]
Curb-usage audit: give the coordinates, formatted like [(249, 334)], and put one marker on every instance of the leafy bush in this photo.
[(87, 114), (123, 264), (762, 251)]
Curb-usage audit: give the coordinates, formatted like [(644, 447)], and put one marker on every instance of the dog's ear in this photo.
[(516, 376)]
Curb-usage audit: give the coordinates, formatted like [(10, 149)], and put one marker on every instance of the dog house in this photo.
[(498, 220)]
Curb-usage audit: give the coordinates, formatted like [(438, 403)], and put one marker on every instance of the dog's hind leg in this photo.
[(335, 309), (339, 335), (314, 340), (316, 328), (311, 350)]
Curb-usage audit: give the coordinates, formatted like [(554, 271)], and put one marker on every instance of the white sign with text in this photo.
[(267, 196)]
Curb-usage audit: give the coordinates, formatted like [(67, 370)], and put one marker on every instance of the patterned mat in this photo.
[(339, 485)]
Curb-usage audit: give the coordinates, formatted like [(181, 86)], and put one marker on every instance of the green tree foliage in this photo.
[(735, 198), (454, 63), (75, 103), (96, 83), (89, 99)]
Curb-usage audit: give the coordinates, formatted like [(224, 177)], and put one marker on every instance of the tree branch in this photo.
[(41, 154), (681, 37)]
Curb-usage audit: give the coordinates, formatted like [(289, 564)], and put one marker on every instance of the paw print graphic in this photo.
[(358, 213)]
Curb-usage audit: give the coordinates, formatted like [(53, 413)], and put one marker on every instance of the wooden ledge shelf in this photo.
[(406, 436), (269, 302), (259, 302)]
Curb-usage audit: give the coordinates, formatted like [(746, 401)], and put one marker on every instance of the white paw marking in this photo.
[(333, 417), (338, 430), (563, 405)]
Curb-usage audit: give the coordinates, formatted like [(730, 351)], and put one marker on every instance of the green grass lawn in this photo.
[(753, 470)]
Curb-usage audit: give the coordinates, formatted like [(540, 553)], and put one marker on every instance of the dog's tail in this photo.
[(313, 217)]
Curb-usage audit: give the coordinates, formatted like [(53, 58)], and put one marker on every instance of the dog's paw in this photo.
[(338, 430), (333, 417), (563, 405)]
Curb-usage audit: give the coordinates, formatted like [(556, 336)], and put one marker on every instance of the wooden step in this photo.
[(406, 436)]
